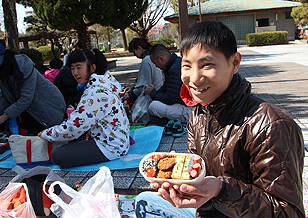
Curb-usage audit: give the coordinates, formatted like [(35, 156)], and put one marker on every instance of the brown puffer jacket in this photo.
[(254, 148)]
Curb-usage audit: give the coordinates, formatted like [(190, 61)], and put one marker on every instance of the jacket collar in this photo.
[(144, 54), (172, 58), (187, 97), (232, 96)]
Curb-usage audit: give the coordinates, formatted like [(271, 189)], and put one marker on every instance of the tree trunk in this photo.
[(124, 40), (82, 34), (96, 37), (53, 48), (10, 23)]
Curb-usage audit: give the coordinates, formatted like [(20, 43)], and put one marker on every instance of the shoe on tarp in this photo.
[(169, 127), (179, 129)]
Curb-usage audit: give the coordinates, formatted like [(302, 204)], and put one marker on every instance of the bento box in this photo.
[(175, 168)]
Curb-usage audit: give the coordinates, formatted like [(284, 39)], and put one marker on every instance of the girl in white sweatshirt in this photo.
[(98, 129)]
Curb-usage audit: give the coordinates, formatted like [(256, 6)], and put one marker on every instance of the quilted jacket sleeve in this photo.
[(169, 93), (276, 164)]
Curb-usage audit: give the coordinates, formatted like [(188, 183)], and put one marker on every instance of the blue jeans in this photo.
[(148, 204)]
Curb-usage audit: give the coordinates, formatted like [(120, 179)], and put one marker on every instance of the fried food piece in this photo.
[(164, 174), (166, 163)]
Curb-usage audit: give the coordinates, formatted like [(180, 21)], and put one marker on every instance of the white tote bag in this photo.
[(96, 198), (32, 150)]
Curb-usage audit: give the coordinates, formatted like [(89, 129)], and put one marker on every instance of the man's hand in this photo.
[(148, 89), (188, 196), (3, 118)]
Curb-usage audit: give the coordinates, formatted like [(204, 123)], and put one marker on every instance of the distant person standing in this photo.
[(76, 44), (103, 49)]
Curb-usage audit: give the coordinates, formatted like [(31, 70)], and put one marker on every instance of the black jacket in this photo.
[(169, 93)]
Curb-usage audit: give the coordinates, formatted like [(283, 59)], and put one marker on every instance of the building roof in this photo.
[(229, 6)]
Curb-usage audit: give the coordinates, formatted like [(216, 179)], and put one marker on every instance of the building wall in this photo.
[(243, 24)]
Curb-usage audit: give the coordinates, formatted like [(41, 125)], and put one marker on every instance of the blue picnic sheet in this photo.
[(146, 139), (6, 153)]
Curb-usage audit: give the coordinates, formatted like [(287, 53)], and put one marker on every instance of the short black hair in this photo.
[(210, 33), (159, 50), (56, 63)]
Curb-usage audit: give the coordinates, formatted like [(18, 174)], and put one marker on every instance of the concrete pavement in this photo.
[(278, 74)]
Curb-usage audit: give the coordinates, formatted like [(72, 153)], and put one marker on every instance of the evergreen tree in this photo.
[(65, 15), (300, 14), (125, 13)]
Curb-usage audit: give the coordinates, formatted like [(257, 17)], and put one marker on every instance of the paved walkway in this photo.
[(278, 74)]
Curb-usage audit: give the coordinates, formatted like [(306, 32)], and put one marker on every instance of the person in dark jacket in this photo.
[(65, 81), (253, 152), (167, 102), (26, 95)]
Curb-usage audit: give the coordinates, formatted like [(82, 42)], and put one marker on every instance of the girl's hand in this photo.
[(40, 133), (3, 118)]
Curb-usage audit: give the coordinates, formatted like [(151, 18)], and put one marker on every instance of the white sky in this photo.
[(21, 13)]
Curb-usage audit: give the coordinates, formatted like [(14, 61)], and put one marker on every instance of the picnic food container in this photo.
[(149, 162)]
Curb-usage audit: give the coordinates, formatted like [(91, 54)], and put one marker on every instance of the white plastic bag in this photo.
[(25, 210), (140, 107), (95, 199)]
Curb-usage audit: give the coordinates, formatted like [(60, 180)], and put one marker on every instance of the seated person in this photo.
[(26, 95), (148, 73), (253, 152), (99, 115), (65, 81), (55, 65), (167, 102)]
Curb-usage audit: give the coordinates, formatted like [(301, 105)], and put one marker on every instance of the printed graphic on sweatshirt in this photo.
[(99, 112)]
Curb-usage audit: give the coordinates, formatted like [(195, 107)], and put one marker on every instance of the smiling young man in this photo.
[(253, 152)]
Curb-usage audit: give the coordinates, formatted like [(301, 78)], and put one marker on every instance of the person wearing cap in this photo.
[(26, 95)]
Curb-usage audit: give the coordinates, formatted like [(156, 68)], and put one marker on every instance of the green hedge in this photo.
[(169, 43), (33, 54), (47, 53), (262, 38)]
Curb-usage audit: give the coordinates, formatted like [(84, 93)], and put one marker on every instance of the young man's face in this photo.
[(207, 73)]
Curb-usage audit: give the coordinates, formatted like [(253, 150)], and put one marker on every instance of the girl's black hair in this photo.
[(93, 56), (210, 33), (143, 43), (6, 69)]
